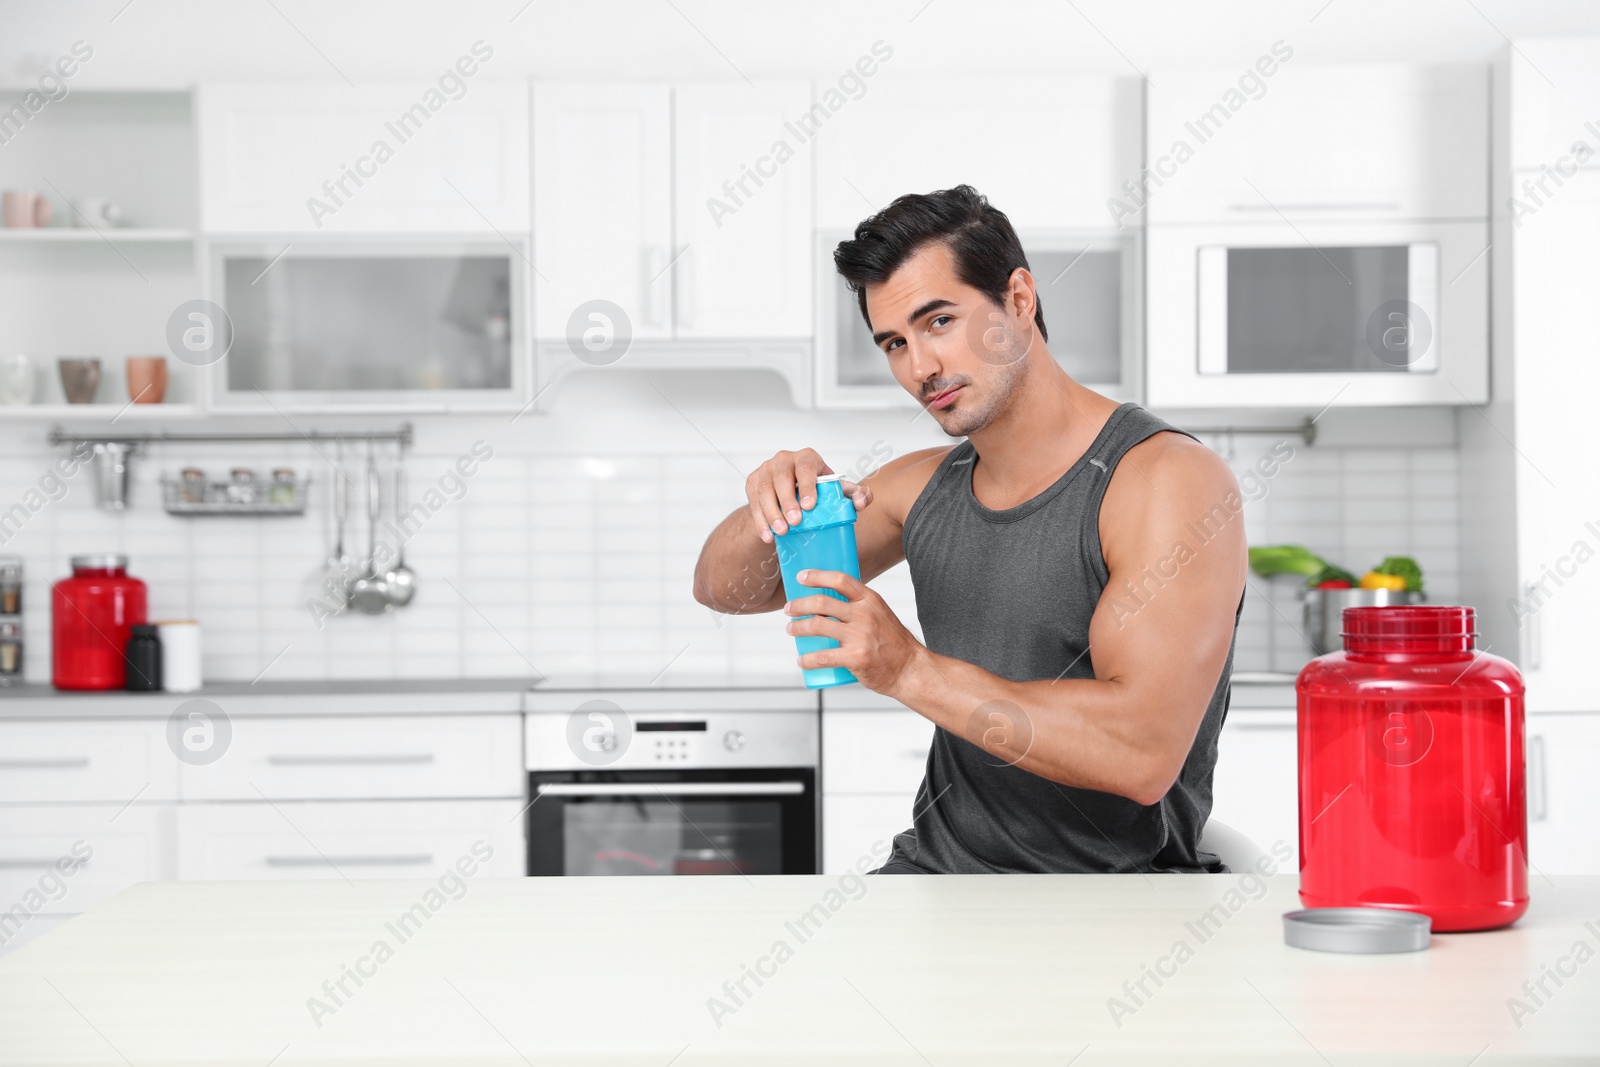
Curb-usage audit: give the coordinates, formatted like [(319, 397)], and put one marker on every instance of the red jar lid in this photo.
[(1406, 628)]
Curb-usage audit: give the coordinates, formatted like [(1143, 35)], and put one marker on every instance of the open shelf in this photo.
[(101, 412), (51, 234)]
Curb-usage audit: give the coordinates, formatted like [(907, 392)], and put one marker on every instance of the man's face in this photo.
[(948, 344)]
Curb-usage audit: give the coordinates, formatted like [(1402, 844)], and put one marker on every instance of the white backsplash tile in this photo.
[(576, 551)]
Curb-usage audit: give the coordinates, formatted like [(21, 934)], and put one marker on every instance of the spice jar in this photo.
[(1411, 771), (283, 488), (10, 585), (193, 488), (10, 653), (242, 488)]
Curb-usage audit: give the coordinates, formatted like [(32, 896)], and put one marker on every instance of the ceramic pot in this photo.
[(147, 379), (80, 377), (24, 209), (16, 380)]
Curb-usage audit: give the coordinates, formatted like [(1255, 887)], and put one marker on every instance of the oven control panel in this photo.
[(603, 732)]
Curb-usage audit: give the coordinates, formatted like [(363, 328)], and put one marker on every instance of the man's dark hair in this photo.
[(978, 234)]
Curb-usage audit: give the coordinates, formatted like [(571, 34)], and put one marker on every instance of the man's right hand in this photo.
[(785, 485)]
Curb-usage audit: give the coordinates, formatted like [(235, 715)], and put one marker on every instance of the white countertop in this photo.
[(912, 970), (368, 696)]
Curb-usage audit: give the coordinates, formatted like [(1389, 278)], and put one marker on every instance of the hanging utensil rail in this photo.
[(401, 436), (1307, 431)]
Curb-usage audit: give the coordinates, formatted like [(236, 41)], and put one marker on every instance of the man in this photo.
[(1078, 566)]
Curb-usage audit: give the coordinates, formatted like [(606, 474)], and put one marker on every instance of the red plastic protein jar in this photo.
[(91, 614), (1411, 772)]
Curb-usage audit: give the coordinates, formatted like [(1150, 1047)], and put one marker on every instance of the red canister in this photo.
[(91, 614), (1411, 772)]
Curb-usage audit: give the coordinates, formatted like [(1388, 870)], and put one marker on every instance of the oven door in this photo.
[(655, 822), (1310, 314)]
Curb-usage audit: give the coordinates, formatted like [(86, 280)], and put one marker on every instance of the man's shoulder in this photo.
[(1169, 473), (899, 482)]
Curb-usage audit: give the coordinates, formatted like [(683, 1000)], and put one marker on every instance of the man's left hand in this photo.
[(873, 644)]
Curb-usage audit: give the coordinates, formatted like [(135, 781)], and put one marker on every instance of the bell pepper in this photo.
[(1374, 580), (1334, 583), (1405, 567)]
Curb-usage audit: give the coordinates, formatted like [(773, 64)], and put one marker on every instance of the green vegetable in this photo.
[(1286, 559), (1330, 573), (1402, 567)]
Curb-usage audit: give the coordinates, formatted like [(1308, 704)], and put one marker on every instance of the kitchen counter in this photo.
[(901, 970), (416, 696), (420, 696)]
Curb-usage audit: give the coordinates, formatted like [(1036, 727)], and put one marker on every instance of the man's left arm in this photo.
[(1172, 535)]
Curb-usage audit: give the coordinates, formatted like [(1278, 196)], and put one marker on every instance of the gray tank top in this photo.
[(1013, 592)]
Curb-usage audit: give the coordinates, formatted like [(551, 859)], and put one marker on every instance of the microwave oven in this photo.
[(1310, 314), (1088, 286)]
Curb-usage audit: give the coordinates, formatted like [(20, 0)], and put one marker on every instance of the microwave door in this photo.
[(1335, 310)]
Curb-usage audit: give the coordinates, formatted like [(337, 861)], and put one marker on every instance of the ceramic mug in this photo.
[(16, 380), (147, 379), (97, 212), (80, 377), (25, 209)]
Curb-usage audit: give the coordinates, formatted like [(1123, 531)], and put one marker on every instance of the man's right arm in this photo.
[(737, 572)]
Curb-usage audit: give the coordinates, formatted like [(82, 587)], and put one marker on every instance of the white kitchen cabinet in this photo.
[(1048, 151), (354, 840), (1556, 372), (1563, 794), (1556, 84), (67, 858), (640, 206), (1318, 141), (742, 188), (81, 761), (1255, 788), (602, 195), (859, 828), (365, 758), (400, 157), (874, 749), (874, 754)]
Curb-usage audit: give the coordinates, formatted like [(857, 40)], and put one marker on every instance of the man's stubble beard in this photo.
[(1001, 387)]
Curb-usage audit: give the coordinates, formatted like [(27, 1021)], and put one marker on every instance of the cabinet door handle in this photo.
[(350, 760), (1352, 205), (1535, 630), (916, 753), (657, 291), (683, 277), (60, 763), (415, 859), (27, 864), (1536, 772)]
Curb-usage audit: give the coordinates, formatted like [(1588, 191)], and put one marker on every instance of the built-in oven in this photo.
[(1311, 313), (672, 782)]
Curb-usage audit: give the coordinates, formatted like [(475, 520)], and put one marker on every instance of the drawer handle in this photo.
[(46, 764), (374, 760), (677, 789), (36, 865), (1536, 779), (417, 859), (1329, 206)]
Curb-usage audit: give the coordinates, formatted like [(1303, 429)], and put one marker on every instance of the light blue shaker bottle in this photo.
[(824, 539)]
